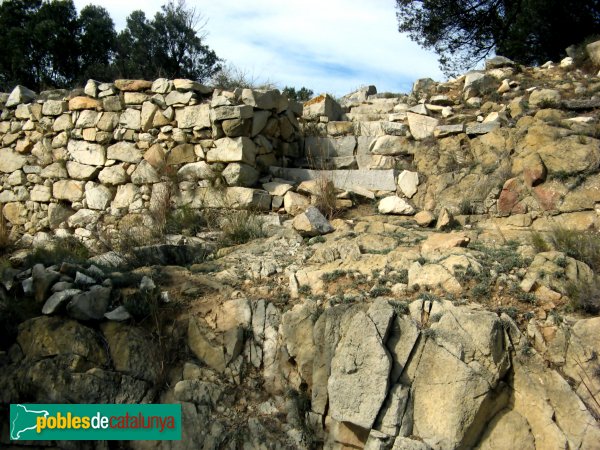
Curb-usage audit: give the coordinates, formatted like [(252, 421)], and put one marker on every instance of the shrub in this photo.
[(538, 242), (585, 296), (231, 77), (65, 249), (332, 276), (401, 308), (304, 289), (379, 291), (325, 197), (581, 245), (428, 297), (184, 220), (466, 207), (240, 227)]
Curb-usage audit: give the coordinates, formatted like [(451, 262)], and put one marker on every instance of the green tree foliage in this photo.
[(168, 46), (37, 46), (301, 95), (46, 44), (98, 42), (463, 32)]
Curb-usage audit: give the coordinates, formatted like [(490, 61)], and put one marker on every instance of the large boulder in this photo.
[(48, 336), (360, 369), (132, 351)]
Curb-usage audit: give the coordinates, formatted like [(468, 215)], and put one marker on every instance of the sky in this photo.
[(332, 46)]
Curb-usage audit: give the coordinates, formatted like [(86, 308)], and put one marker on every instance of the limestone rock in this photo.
[(41, 193), (46, 336), (593, 51), (389, 145), (54, 107), (68, 190), (240, 149), (210, 353), (124, 151), (11, 160), (312, 223), (20, 94), (178, 98), (132, 351), (421, 127), (87, 153), (322, 105), (56, 300), (408, 182), (193, 116), (544, 97), (79, 103), (182, 84), (90, 305), (196, 171), (98, 197), (113, 175), (131, 119), (445, 219), (247, 198), (395, 205), (144, 174), (133, 85), (294, 203), (432, 276), (498, 62), (277, 188), (359, 373), (231, 112), (119, 314), (439, 241), (261, 99), (181, 154), (42, 281), (447, 394), (83, 218), (80, 171), (424, 218), (534, 170), (508, 430), (238, 174)]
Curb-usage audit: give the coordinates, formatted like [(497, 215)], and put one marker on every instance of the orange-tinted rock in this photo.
[(79, 103), (438, 241), (133, 85), (547, 198), (509, 200), (534, 170)]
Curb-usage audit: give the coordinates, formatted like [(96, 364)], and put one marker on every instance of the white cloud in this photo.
[(326, 45)]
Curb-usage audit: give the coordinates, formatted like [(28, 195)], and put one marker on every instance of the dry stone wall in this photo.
[(507, 146), (71, 159)]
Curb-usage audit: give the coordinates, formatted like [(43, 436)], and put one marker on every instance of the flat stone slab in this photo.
[(374, 180)]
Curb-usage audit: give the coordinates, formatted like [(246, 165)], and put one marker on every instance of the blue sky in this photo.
[(331, 46)]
